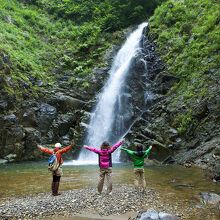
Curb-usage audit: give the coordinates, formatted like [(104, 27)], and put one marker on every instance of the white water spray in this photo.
[(103, 118)]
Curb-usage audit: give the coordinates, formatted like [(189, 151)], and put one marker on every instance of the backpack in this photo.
[(53, 163)]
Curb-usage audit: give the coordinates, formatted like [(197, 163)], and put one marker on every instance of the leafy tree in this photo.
[(111, 15)]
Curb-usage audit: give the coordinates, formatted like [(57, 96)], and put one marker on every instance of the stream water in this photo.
[(173, 182)]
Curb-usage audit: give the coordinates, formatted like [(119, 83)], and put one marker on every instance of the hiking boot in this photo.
[(53, 188), (56, 187)]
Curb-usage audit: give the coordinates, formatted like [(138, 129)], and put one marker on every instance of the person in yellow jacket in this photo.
[(138, 160)]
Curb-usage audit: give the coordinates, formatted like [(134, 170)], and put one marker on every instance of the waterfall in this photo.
[(108, 120)]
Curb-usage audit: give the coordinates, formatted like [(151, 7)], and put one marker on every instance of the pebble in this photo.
[(123, 200)]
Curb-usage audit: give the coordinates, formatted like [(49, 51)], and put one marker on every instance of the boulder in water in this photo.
[(209, 198), (11, 157)]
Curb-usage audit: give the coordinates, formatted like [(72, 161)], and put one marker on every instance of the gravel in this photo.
[(123, 200)]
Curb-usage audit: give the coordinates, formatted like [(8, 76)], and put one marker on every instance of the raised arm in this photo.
[(67, 148), (91, 149), (128, 151), (45, 149), (116, 146), (147, 151)]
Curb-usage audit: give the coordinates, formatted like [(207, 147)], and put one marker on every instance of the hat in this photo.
[(57, 145)]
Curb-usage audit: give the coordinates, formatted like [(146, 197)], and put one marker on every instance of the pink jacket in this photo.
[(105, 158)]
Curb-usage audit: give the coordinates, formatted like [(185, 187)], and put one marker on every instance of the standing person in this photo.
[(58, 172), (138, 160), (105, 164)]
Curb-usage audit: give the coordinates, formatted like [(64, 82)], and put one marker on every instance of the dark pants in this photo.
[(56, 178)]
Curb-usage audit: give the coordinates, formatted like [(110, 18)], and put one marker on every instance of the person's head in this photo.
[(57, 145), (139, 147), (105, 145)]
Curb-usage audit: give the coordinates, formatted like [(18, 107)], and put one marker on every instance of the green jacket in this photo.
[(138, 157)]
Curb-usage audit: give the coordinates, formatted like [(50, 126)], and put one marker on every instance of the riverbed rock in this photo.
[(151, 214), (11, 157), (3, 161), (209, 198)]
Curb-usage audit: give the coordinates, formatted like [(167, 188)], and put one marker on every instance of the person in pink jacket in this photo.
[(105, 164)]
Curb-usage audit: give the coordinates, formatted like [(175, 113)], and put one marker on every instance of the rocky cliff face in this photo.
[(56, 114), (59, 114), (195, 143), (39, 122)]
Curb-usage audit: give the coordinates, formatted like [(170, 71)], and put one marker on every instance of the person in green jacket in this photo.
[(138, 159)]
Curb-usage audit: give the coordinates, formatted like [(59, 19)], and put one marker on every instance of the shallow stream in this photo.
[(175, 183)]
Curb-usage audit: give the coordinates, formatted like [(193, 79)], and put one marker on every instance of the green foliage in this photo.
[(183, 121), (27, 51), (109, 15), (41, 36), (36, 44), (188, 36)]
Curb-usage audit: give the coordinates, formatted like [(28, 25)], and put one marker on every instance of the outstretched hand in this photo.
[(72, 144), (150, 147), (39, 146), (123, 140), (85, 146)]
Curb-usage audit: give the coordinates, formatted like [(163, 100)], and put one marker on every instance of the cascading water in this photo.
[(108, 121)]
